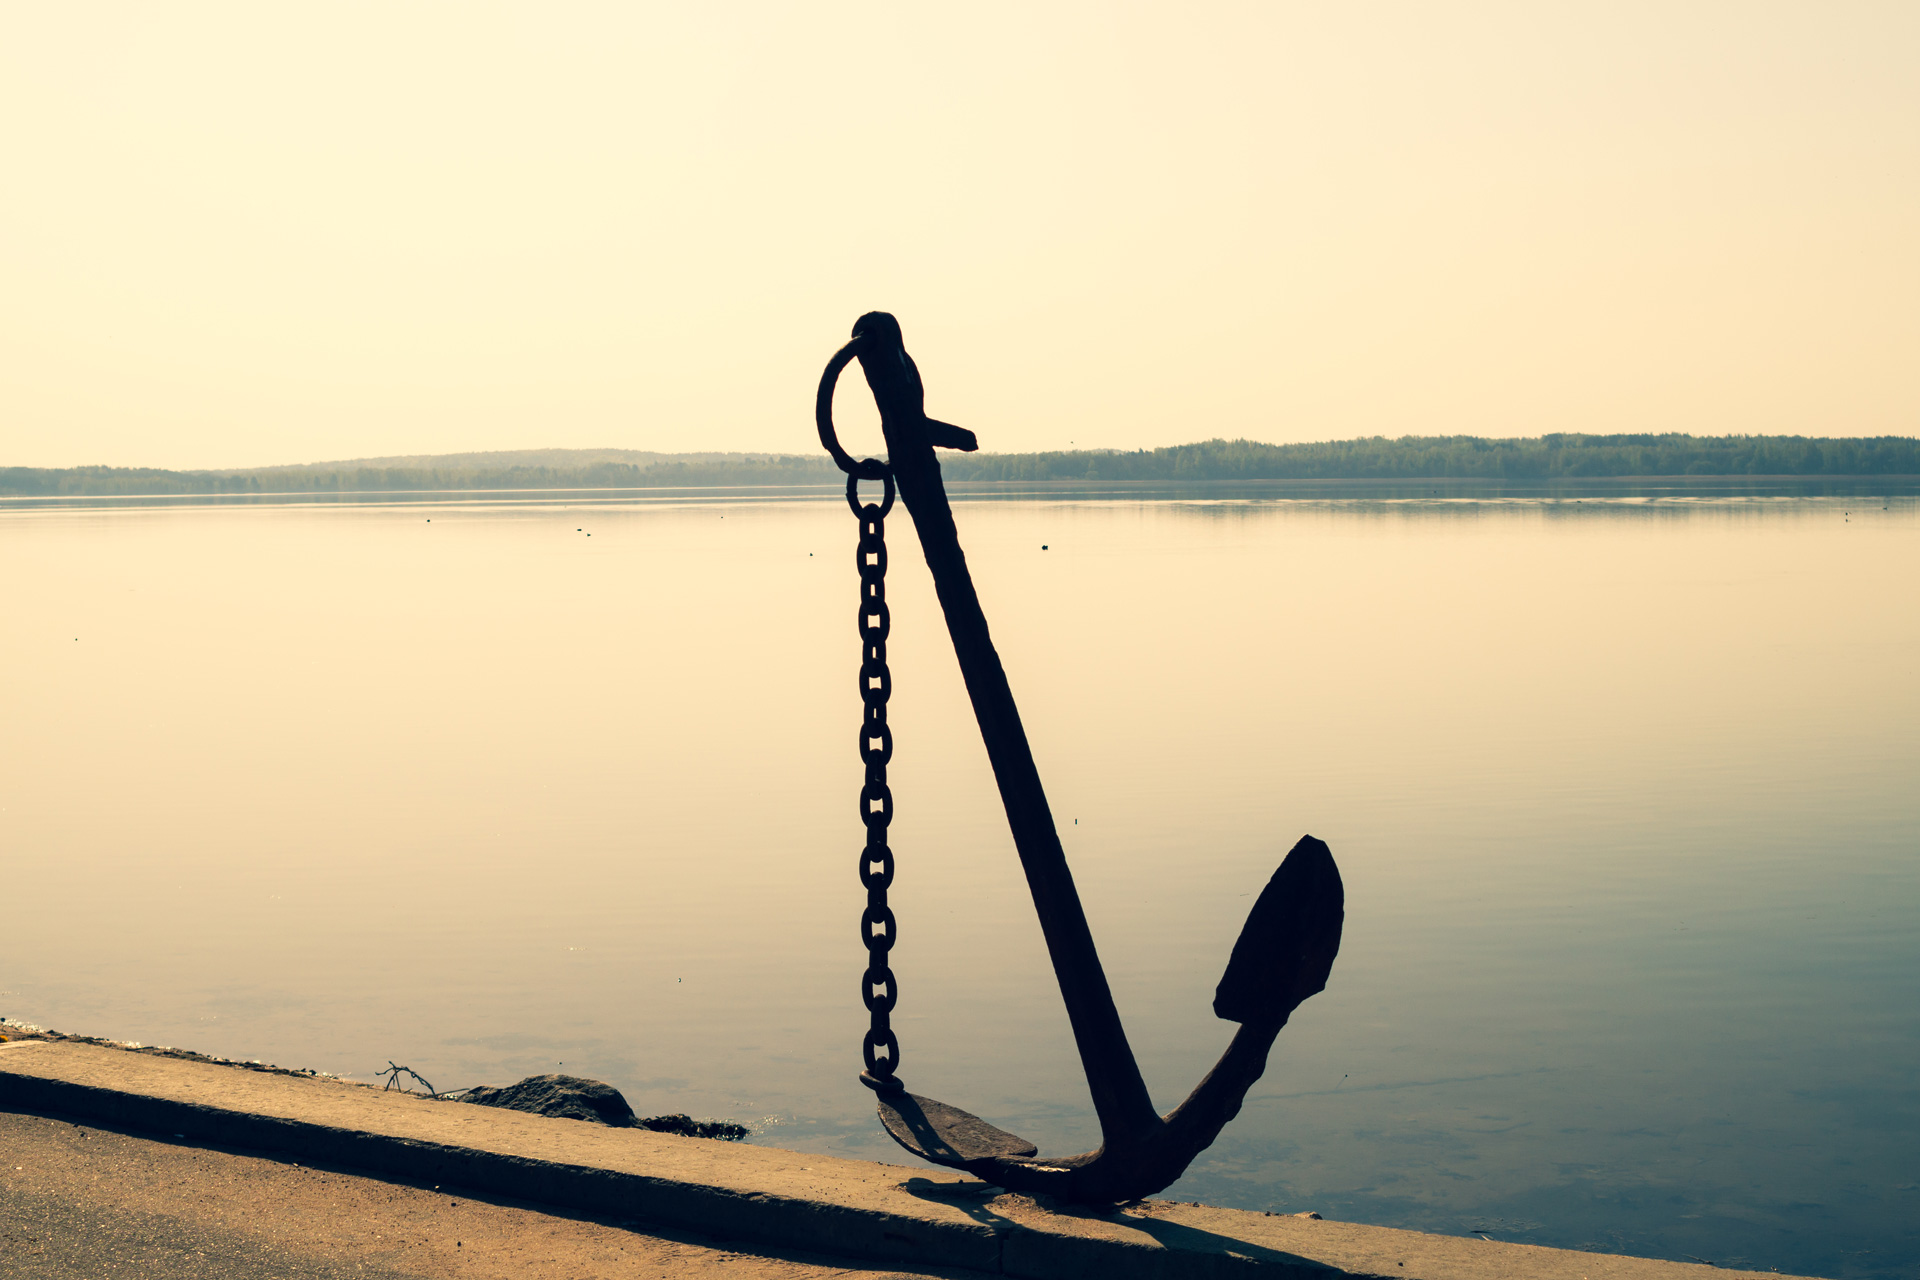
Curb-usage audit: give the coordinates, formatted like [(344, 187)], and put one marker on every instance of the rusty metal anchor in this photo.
[(1283, 955)]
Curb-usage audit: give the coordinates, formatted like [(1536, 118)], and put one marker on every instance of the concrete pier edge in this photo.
[(750, 1194)]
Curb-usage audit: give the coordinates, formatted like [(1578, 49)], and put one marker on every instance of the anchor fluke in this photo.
[(946, 1135), (1287, 946)]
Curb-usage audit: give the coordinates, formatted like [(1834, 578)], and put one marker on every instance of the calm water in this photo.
[(1623, 793)]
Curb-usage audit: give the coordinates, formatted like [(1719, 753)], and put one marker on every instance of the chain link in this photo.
[(878, 932)]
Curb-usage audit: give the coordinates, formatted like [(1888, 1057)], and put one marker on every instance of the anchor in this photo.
[(1283, 955)]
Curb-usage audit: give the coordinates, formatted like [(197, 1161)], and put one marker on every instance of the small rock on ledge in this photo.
[(576, 1098)]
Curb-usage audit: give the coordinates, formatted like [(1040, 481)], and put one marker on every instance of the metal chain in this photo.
[(878, 990)]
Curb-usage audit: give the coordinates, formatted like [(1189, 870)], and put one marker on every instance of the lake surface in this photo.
[(1623, 792)]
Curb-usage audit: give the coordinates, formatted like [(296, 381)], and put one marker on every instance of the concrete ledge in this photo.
[(854, 1208)]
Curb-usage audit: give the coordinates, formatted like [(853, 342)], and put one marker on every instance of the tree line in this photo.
[(1537, 458), (1551, 457), (350, 478)]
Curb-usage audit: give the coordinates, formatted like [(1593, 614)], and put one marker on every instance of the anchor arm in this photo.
[(1282, 957), (1119, 1094)]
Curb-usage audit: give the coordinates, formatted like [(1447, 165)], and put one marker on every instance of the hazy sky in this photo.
[(236, 234)]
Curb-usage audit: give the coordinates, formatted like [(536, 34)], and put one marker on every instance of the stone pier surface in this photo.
[(882, 1214)]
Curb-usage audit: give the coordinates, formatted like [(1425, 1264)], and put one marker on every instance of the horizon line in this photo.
[(404, 460)]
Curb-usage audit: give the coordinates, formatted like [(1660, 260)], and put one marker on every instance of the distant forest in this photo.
[(1543, 458)]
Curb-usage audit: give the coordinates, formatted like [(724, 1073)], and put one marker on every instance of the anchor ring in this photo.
[(866, 469)]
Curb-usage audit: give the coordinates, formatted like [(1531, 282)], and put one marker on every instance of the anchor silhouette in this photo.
[(1284, 952)]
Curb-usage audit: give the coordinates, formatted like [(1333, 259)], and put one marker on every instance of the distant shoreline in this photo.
[(1409, 460)]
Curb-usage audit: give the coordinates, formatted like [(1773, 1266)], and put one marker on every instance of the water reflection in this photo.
[(1621, 791)]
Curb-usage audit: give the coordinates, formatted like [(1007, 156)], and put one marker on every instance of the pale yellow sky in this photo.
[(249, 233)]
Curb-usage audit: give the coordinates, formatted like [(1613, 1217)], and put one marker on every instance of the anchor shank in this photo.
[(1113, 1077)]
